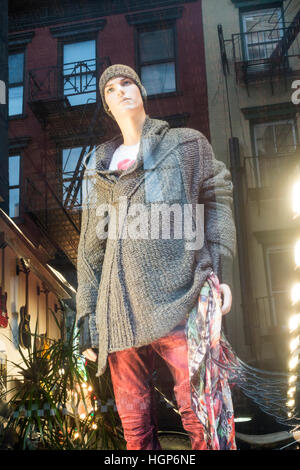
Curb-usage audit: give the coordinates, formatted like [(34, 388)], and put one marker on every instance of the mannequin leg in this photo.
[(131, 374), (173, 349)]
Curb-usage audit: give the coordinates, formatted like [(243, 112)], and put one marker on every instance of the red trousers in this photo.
[(131, 373)]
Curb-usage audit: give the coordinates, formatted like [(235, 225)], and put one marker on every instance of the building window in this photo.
[(16, 83), (280, 275), (275, 138), (274, 154), (14, 162), (157, 59), (73, 162), (262, 30), (79, 72)]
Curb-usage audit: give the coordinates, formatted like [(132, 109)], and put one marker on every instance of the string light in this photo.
[(294, 322), (291, 391), (290, 403), (295, 293), (294, 343), (292, 379), (82, 416), (293, 362), (296, 199), (94, 426)]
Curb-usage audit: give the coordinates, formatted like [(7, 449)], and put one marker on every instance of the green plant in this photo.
[(58, 403)]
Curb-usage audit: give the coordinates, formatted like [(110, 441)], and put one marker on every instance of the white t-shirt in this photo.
[(124, 156)]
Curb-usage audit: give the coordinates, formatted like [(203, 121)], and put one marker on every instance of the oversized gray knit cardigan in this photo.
[(134, 291)]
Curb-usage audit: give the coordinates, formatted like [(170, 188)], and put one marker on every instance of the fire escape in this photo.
[(267, 54), (262, 57), (53, 197)]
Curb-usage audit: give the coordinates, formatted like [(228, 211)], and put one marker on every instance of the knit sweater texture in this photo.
[(132, 291)]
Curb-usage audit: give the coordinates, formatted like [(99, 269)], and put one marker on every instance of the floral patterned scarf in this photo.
[(208, 352)]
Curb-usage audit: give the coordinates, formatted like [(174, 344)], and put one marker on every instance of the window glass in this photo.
[(80, 72), (157, 60), (15, 79), (275, 138), (15, 100), (70, 157), (14, 170), (155, 45), (79, 51), (263, 29), (261, 20), (14, 185), (280, 263), (15, 68), (14, 202), (159, 78)]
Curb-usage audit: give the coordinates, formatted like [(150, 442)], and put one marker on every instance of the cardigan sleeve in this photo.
[(216, 193), (91, 250)]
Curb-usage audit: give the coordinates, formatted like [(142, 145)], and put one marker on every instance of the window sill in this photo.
[(165, 95), (17, 220), (17, 116)]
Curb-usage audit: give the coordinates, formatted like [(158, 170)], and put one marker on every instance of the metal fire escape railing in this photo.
[(71, 79), (287, 39), (266, 53), (54, 197), (266, 171)]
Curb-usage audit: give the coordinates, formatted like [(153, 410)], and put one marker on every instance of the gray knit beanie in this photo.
[(119, 70)]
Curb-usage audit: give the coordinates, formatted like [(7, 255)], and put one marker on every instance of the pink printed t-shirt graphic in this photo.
[(124, 156), (124, 164)]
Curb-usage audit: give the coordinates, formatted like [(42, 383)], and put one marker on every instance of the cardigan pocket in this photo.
[(163, 185)]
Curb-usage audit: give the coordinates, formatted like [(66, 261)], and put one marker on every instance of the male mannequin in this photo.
[(148, 286)]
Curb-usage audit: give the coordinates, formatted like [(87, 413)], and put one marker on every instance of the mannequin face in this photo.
[(123, 97)]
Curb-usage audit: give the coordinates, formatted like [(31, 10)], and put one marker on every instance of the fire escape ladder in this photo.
[(71, 193), (287, 40), (75, 184)]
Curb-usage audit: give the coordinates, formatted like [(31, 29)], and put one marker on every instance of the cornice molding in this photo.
[(270, 111), (255, 3), (75, 29), (20, 39), (154, 16), (274, 237), (51, 13), (18, 143)]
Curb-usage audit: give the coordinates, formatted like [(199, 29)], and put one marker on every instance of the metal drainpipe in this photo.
[(240, 220)]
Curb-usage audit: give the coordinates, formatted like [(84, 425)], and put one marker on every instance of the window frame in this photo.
[(255, 154), (154, 26), (73, 40), (71, 146), (13, 51), (273, 123), (256, 9), (11, 154), (267, 250)]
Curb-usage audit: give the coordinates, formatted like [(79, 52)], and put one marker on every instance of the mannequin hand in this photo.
[(90, 354), (227, 298)]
